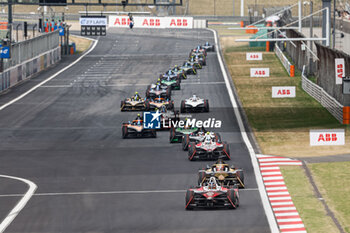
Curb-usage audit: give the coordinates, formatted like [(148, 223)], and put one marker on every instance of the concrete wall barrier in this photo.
[(200, 23)]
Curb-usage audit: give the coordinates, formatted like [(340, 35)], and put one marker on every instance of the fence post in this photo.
[(292, 70), (267, 46), (346, 115)]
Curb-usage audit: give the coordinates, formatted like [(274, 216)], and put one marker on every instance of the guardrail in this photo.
[(327, 101), (286, 63)]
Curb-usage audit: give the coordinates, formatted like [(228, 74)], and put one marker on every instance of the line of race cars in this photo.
[(218, 184)]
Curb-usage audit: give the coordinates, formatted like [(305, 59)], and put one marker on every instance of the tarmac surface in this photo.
[(66, 138)]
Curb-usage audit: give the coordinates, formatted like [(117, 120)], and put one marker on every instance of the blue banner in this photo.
[(5, 52), (61, 31)]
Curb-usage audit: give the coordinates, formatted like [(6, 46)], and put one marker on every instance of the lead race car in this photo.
[(198, 50), (194, 104), (212, 194), (158, 89), (136, 129), (227, 175), (208, 149)]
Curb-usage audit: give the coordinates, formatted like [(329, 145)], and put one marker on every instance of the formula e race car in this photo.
[(208, 149), (180, 72), (173, 83), (208, 47), (155, 90), (227, 175), (170, 73), (194, 63), (158, 102), (135, 129), (199, 136), (212, 194), (177, 134), (200, 59), (198, 50), (133, 104), (194, 104), (188, 68)]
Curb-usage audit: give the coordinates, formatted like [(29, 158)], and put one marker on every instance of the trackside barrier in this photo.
[(151, 22), (287, 65), (346, 115), (327, 101), (200, 23)]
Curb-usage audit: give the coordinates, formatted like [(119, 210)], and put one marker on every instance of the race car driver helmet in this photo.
[(207, 43), (168, 78), (212, 183), (169, 72)]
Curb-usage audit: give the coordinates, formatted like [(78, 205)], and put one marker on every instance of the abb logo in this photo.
[(283, 92), (122, 21), (328, 137), (151, 22), (331, 137), (179, 22), (260, 72), (340, 69), (253, 56)]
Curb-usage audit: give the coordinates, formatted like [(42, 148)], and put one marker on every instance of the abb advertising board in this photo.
[(259, 72), (339, 70), (151, 22), (330, 137), (254, 56), (283, 92)]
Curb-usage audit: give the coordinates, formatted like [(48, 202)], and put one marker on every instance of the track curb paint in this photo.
[(263, 195), (20, 205)]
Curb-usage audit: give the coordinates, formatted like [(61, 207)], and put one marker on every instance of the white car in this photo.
[(194, 104)]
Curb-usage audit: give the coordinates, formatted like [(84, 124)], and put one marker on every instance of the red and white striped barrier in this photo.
[(286, 214)]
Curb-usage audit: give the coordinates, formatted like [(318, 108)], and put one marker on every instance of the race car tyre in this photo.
[(189, 199), (233, 198), (185, 142), (171, 105), (178, 84), (240, 175), (122, 103), (227, 151), (182, 107), (201, 176), (172, 135), (168, 93), (218, 137), (191, 151), (124, 131), (153, 133), (206, 105), (147, 105)]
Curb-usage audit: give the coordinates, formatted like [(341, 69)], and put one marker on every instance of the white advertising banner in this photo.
[(330, 137), (259, 72), (151, 22), (93, 21), (339, 70), (254, 56), (283, 92)]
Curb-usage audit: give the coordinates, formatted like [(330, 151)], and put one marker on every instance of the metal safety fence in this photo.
[(28, 49), (327, 101), (285, 62)]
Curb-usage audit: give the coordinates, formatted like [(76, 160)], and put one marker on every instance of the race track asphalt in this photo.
[(66, 138)]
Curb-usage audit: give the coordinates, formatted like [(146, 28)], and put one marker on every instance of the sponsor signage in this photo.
[(61, 31), (5, 52), (339, 70), (259, 72), (330, 137), (283, 92), (151, 22), (254, 56), (93, 21)]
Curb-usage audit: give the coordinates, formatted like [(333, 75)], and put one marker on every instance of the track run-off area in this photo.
[(64, 135)]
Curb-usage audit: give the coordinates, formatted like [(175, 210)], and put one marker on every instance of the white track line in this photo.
[(111, 192), (50, 78), (265, 201), (20, 205)]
